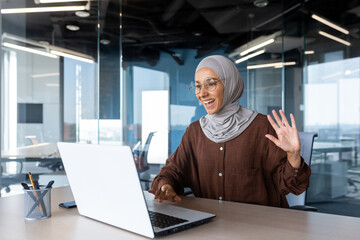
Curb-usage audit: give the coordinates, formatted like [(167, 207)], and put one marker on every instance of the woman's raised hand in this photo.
[(166, 192), (288, 137)]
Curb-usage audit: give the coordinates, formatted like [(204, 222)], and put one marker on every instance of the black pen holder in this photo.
[(37, 203)]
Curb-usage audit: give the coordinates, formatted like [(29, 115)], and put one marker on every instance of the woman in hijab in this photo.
[(233, 153)]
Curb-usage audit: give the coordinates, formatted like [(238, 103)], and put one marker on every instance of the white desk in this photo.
[(233, 221), (331, 147)]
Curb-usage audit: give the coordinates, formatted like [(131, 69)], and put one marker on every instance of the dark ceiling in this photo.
[(151, 27)]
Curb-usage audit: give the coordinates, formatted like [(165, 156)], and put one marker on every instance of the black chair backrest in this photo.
[(144, 153)]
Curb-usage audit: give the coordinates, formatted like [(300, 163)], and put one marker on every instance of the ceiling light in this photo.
[(73, 27), (285, 64), (30, 50), (326, 22), (44, 42), (197, 33), (57, 1), (250, 56), (334, 38), (263, 44), (41, 75), (54, 50), (42, 9), (268, 65), (332, 75), (348, 72), (105, 41), (52, 84), (88, 60), (309, 52), (255, 44), (82, 14), (261, 3)]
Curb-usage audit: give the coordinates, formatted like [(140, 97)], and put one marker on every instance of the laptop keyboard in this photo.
[(162, 221)]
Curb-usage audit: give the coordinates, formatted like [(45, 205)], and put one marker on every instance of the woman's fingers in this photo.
[(166, 192), (273, 139), (277, 118), (284, 119), (176, 198), (172, 196), (157, 194), (162, 196), (167, 195), (273, 124), (293, 123), (287, 135), (281, 122)]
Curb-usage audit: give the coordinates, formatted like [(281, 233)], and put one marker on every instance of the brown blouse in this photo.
[(248, 169)]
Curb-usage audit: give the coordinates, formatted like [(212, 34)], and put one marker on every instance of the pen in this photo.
[(25, 186), (49, 185)]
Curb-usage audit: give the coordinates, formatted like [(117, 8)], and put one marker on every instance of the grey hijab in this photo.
[(232, 119)]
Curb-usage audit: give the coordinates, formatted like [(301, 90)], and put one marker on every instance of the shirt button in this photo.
[(296, 170), (221, 148), (220, 198), (220, 174), (295, 175)]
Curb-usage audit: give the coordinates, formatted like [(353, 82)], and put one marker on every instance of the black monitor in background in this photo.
[(30, 113)]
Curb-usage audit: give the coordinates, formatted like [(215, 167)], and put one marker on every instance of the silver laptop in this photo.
[(106, 187)]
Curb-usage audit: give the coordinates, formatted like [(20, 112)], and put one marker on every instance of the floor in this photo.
[(348, 205)]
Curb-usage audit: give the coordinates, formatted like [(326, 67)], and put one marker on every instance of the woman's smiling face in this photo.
[(212, 100)]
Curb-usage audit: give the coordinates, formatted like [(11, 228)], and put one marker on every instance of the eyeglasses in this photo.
[(209, 84)]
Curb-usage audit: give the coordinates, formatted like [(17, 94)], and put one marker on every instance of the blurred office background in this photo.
[(115, 72)]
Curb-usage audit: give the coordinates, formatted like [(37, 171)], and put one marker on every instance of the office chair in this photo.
[(8, 179), (141, 162), (54, 164), (298, 202), (141, 158)]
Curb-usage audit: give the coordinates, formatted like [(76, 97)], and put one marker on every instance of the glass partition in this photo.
[(80, 102), (331, 108), (265, 89), (49, 87), (118, 72)]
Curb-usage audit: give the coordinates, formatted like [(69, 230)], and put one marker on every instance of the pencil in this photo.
[(32, 181), (33, 185)]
